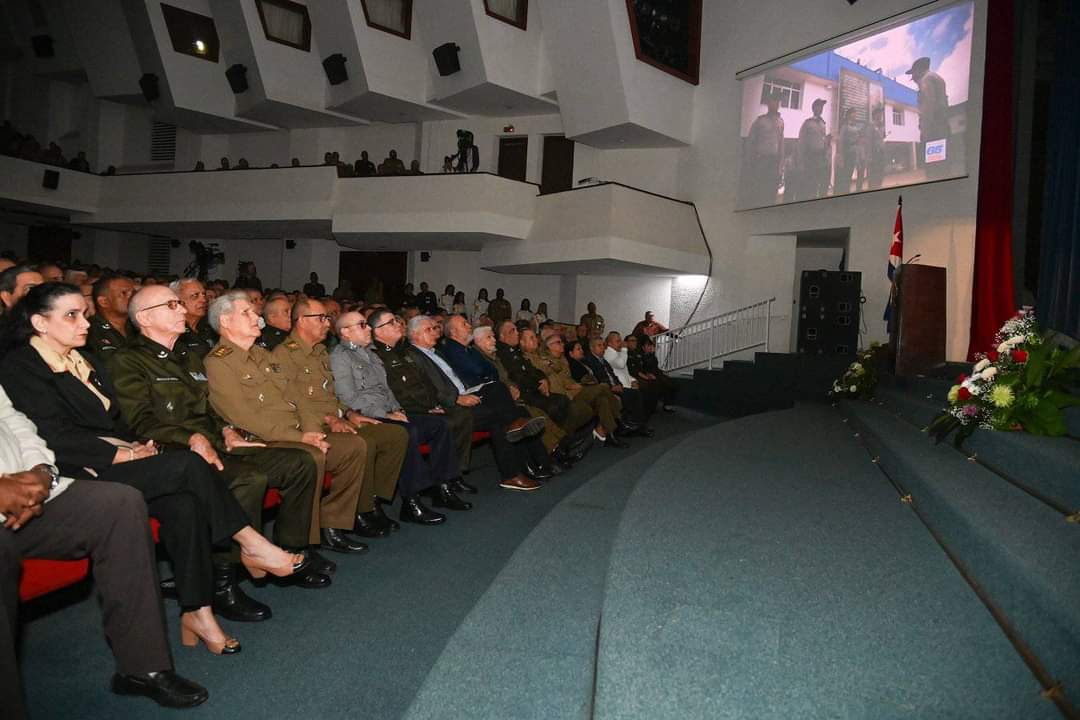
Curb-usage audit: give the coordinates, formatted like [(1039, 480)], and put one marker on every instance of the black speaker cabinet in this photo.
[(446, 59), (829, 312), (51, 179), (148, 83), (237, 77), (334, 65), (42, 46)]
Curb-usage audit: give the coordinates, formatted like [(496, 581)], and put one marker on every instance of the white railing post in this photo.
[(768, 322), (712, 343)]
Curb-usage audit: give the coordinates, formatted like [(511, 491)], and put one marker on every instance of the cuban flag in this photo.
[(896, 254)]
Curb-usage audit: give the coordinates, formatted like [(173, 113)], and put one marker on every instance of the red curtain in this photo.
[(992, 301)]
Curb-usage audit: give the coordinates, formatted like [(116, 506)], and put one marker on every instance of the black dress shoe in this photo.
[(339, 541), (538, 473), (367, 525), (414, 511), (562, 457), (460, 486), (522, 428), (309, 579), (319, 563), (384, 518), (445, 498), (580, 447), (556, 467), (165, 688), (231, 602)]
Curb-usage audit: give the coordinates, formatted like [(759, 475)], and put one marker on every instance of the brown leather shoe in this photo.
[(520, 482), (524, 428)]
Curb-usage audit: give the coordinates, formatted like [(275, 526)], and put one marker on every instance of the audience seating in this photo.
[(41, 577)]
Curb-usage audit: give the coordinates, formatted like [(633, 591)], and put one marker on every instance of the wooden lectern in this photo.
[(917, 331)]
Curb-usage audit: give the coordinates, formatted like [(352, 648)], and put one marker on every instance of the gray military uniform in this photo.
[(360, 380)]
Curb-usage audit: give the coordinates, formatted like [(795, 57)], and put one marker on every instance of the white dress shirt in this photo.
[(617, 360), (21, 448)]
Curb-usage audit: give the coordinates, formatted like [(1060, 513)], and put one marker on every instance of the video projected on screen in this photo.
[(887, 110)]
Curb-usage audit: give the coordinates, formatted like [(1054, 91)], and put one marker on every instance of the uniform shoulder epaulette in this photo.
[(221, 351), (291, 345)]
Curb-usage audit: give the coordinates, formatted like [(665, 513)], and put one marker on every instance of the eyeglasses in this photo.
[(171, 304), (322, 317), (361, 324), (391, 321)]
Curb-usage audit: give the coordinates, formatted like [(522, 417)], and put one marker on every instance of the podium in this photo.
[(917, 331)]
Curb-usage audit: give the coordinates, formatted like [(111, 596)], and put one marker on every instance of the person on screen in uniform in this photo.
[(933, 109), (876, 133), (850, 155), (813, 155), (766, 153)]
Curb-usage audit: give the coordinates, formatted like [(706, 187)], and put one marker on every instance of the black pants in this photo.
[(555, 405), (442, 465), (493, 414), (196, 511), (108, 523), (633, 403)]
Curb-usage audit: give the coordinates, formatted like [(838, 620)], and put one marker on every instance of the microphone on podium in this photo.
[(913, 258)]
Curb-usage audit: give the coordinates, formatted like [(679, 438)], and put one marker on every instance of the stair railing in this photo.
[(704, 342)]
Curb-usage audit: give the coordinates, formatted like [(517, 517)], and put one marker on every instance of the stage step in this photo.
[(764, 569), (1022, 552)]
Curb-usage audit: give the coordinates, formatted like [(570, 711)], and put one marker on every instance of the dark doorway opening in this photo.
[(49, 243), (374, 276), (557, 173), (513, 156)]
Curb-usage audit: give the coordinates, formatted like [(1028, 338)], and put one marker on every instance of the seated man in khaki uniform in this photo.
[(306, 365), (248, 390)]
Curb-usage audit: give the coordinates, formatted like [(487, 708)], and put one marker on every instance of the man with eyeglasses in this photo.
[(163, 395), (249, 390), (360, 383), (199, 337), (305, 363), (109, 329)]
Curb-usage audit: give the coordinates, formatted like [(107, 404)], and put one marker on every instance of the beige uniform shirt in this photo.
[(248, 390), (311, 382), (557, 371)]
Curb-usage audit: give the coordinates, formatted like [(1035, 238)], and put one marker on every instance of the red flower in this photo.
[(960, 379), (992, 356), (1019, 356), (963, 394)]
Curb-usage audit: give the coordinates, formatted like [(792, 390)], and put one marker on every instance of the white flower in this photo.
[(975, 390), (836, 387), (1015, 340), (989, 372), (1003, 348), (981, 364), (854, 389), (972, 379)]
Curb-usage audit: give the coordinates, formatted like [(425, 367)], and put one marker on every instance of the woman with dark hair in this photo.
[(459, 304), (541, 315), (73, 404), (525, 313), (446, 302), (480, 307)]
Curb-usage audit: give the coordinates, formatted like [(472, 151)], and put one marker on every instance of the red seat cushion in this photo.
[(41, 577)]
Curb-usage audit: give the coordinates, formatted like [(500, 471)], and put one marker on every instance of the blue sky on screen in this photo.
[(944, 37)]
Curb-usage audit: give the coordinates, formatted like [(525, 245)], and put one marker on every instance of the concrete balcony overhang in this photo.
[(22, 189)]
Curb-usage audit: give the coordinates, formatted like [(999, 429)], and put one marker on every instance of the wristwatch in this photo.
[(53, 473)]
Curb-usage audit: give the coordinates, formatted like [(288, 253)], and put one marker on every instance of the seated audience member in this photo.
[(50, 272), (304, 362), (314, 288), (593, 320), (586, 402), (482, 365), (541, 316), (583, 333), (617, 357), (408, 297), (648, 327), (200, 166), (249, 391), (248, 277), (242, 164), (650, 390), (446, 301), (419, 395), (499, 309), (75, 408), (588, 368), (426, 301), (87, 291), (48, 517), (328, 158), (414, 168), (198, 336), (111, 170), (364, 167), (15, 282), (392, 165), (277, 322), (480, 307), (459, 307), (80, 163), (360, 383), (533, 384), (295, 162), (255, 297), (163, 396), (525, 313), (109, 329), (666, 389), (6, 263), (224, 164)]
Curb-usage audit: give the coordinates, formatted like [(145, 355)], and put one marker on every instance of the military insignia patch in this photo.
[(162, 355), (292, 345), (221, 352)]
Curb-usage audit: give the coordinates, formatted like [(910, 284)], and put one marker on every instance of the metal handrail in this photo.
[(705, 341)]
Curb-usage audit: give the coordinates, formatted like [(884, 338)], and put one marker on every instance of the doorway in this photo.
[(557, 171), (374, 277), (513, 157)]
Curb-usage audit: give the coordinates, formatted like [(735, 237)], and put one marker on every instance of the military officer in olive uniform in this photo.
[(109, 328), (162, 392), (198, 336), (278, 322), (306, 364), (531, 381), (248, 390), (593, 320)]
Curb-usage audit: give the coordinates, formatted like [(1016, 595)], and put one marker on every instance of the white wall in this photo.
[(623, 300)]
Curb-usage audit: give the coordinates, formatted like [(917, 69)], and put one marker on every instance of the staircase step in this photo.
[(1022, 552)]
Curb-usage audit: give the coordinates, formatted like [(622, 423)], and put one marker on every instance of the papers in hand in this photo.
[(475, 388)]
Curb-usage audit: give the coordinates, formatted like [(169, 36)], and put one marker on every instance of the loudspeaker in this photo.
[(237, 77), (51, 180), (829, 312), (43, 46), (290, 244), (334, 65), (446, 59), (425, 256), (148, 83)]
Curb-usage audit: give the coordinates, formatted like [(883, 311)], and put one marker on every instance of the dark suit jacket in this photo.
[(602, 370), (471, 367), (68, 416), (445, 390)]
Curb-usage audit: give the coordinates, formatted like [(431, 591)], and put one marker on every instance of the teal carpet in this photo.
[(359, 649)]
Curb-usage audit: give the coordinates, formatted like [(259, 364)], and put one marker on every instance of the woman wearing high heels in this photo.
[(73, 405)]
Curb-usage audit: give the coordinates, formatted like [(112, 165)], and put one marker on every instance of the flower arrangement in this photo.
[(861, 378), (1023, 384)]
